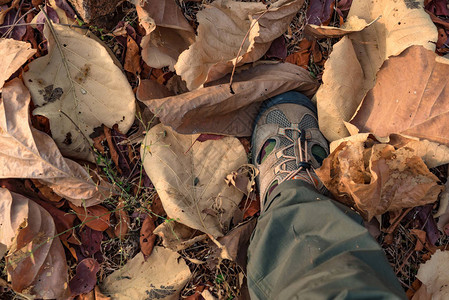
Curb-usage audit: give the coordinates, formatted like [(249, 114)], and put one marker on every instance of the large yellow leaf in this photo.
[(161, 276), (222, 29), (78, 87), (36, 261), (29, 153), (402, 24), (189, 177), (411, 97)]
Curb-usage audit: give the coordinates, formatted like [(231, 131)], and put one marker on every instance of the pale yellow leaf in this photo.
[(223, 26), (13, 55), (161, 276), (78, 87), (189, 177), (29, 153), (352, 24), (434, 276)]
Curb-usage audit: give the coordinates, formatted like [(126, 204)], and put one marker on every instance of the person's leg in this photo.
[(305, 245)]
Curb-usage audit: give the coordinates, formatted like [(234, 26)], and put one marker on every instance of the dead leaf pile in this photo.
[(378, 178)]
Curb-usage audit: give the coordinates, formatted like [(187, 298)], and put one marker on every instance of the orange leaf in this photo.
[(96, 217)]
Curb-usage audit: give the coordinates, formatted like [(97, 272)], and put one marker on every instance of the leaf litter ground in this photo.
[(400, 234)]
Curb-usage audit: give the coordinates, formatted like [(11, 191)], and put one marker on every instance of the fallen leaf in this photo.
[(379, 178), (278, 49), (96, 217), (419, 108), (35, 263), (319, 12), (14, 54), (28, 153), (176, 236), (190, 179), (8, 19), (350, 72), (147, 237), (122, 227), (234, 245), (214, 109), (434, 276), (168, 32), (224, 27), (90, 241), (151, 89), (352, 24), (420, 238), (78, 87), (161, 276), (132, 57), (302, 57), (85, 278), (433, 154)]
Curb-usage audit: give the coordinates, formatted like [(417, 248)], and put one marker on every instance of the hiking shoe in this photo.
[(287, 143)]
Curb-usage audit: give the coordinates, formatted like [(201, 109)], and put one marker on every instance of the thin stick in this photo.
[(241, 48), (16, 22)]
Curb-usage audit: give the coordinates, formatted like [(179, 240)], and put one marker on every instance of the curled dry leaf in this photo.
[(168, 32), (189, 177), (177, 237), (78, 87), (224, 27), (433, 154), (132, 57), (419, 108), (28, 153), (351, 69), (14, 54), (96, 217), (35, 263), (161, 276), (214, 109), (434, 276), (379, 178), (147, 237), (352, 24)]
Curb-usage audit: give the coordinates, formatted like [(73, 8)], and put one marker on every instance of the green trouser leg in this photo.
[(307, 246)]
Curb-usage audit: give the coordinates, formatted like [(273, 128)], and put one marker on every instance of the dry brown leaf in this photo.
[(151, 89), (214, 109), (96, 217), (223, 26), (14, 54), (189, 177), (420, 107), (122, 227), (78, 87), (168, 32), (36, 261), (433, 154), (352, 24), (350, 73), (434, 276), (176, 236), (378, 178), (147, 237), (161, 276), (28, 153), (132, 57)]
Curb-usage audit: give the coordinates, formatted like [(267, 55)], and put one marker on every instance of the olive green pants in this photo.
[(307, 246)]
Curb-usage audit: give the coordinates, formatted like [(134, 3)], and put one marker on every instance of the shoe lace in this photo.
[(301, 158)]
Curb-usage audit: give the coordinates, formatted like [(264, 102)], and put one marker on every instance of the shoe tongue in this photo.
[(267, 148)]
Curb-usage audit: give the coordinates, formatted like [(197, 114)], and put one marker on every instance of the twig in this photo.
[(241, 48), (16, 22)]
